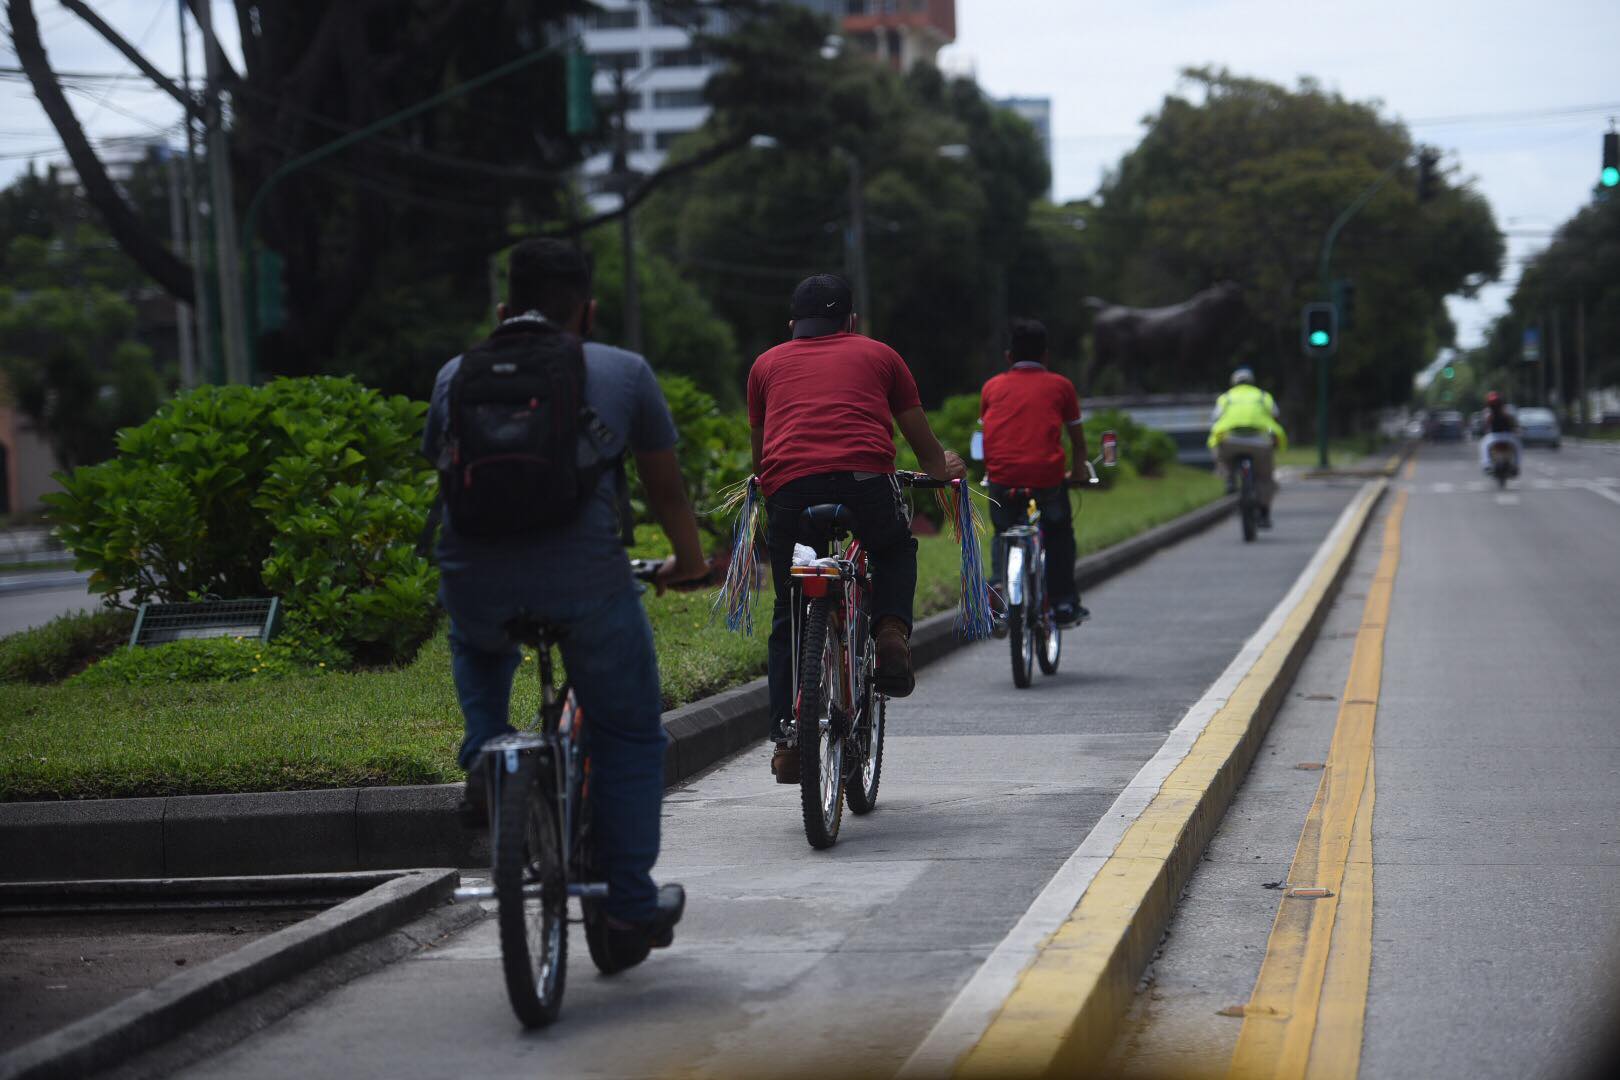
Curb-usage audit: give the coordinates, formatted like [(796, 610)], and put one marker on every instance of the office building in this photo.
[(1038, 111)]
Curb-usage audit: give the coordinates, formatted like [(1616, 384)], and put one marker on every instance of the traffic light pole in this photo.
[(1325, 281)]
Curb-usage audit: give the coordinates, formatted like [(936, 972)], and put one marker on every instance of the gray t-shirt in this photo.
[(585, 557)]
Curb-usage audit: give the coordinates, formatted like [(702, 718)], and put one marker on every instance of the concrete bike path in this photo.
[(1493, 839), (792, 961)]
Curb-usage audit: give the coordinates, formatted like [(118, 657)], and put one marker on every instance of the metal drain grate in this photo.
[(159, 623)]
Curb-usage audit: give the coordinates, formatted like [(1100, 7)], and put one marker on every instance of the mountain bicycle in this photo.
[(839, 715), (1240, 440), (539, 790), (1033, 632)]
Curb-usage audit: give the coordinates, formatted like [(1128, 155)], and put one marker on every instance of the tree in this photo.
[(941, 231), (1243, 183), (73, 368)]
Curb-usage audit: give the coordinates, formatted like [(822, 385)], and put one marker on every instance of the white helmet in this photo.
[(1242, 375)]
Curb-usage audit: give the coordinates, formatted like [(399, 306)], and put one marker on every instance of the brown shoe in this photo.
[(893, 677), (785, 763)]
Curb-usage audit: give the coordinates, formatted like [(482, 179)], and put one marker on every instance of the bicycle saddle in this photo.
[(826, 521), (526, 629)]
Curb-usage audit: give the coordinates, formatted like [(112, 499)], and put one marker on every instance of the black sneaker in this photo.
[(1069, 614), (473, 809), (1265, 518), (618, 945)]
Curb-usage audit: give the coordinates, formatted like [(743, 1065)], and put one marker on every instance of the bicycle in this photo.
[(838, 716), (1033, 633), (1243, 478), (538, 784)]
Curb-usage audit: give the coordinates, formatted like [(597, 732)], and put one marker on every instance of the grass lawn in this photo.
[(402, 727), (1341, 452)]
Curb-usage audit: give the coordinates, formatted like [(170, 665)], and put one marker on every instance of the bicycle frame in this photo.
[(846, 578)]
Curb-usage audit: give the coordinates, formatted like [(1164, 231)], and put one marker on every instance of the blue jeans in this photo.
[(608, 653)]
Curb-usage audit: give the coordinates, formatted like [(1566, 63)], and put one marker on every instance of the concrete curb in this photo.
[(180, 1001), (1092, 964), (285, 832)]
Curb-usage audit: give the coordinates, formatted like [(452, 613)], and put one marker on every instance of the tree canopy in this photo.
[(1240, 179)]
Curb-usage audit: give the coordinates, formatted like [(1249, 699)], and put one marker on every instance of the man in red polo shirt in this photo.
[(821, 406), (1026, 410)]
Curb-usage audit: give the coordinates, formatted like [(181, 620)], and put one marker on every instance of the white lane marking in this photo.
[(1507, 500), (964, 1023), (1444, 488), (1612, 496)]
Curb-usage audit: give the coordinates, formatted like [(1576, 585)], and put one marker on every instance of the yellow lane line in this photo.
[(1288, 1014), (1411, 466), (1059, 1018)]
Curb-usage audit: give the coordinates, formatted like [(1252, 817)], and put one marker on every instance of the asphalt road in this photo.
[(1495, 941), (838, 963), (25, 608)]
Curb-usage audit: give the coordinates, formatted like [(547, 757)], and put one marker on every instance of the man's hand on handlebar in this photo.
[(955, 467)]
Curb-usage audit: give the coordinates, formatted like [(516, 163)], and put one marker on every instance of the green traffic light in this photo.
[(1451, 372), (1319, 338), (1610, 176)]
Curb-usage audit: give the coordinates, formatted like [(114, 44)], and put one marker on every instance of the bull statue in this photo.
[(1171, 343)]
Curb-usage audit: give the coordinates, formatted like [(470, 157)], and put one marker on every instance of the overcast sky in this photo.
[(1494, 63), (1105, 65)]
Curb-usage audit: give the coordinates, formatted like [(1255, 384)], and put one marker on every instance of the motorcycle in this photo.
[(1504, 461)]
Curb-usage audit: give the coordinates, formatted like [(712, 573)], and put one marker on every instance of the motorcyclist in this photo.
[(1500, 426), (1245, 423)]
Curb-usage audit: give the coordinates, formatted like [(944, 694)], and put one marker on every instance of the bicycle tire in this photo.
[(862, 793), (533, 932), (1020, 642), (1248, 512), (821, 765), (1049, 637)]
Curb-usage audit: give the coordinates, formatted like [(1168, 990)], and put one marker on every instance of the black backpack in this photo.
[(517, 429)]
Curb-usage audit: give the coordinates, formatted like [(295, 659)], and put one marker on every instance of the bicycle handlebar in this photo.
[(920, 480), (647, 570)]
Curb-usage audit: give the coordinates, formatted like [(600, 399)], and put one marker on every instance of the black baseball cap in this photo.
[(822, 296)]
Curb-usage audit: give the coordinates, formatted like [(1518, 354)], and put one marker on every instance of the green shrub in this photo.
[(310, 489), (54, 651), (714, 452), (222, 659)]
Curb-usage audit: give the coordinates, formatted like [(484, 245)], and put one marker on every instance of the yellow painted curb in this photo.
[(1060, 1018), (1306, 1011)]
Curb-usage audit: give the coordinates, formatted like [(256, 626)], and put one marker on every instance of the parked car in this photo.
[(1539, 427), (1476, 424), (1446, 426)]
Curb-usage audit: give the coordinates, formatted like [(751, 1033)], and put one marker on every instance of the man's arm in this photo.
[(936, 461), (1082, 454), (666, 497), (756, 440)]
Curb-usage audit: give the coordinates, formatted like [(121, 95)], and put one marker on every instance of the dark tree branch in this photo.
[(231, 76), (133, 55), (167, 269)]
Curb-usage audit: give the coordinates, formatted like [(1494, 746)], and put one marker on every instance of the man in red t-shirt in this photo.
[(1026, 410), (820, 407)]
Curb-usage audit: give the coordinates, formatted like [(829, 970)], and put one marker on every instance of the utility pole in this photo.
[(199, 260), (221, 202), (855, 242), (624, 180), (1580, 365), (177, 240), (1557, 358)]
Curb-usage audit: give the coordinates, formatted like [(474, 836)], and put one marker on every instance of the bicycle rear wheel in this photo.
[(1021, 642), (533, 929), (821, 744), (1248, 508)]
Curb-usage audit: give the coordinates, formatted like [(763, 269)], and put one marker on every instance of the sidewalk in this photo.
[(839, 962)]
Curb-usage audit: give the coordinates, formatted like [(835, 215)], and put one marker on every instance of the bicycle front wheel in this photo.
[(821, 743), (531, 893)]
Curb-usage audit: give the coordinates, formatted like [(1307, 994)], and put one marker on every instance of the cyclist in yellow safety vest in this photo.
[(1245, 422)]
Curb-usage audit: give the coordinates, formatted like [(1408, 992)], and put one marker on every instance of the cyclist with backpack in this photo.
[(1244, 422), (529, 430), (1026, 410), (821, 408)]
